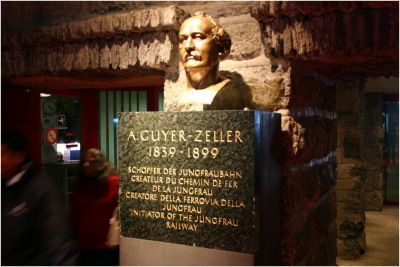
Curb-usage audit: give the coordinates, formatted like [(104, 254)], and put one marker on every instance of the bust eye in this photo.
[(198, 36), (182, 38)]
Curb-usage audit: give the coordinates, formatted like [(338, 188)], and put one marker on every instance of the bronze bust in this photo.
[(202, 45)]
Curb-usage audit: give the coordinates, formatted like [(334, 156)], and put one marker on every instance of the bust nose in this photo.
[(189, 45)]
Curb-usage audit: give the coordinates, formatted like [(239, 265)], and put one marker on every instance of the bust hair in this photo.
[(221, 37)]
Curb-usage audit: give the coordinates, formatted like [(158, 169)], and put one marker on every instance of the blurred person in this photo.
[(34, 228), (94, 200)]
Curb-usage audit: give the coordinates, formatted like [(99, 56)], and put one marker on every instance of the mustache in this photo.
[(192, 56)]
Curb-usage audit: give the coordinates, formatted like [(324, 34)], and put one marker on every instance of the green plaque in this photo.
[(189, 178)]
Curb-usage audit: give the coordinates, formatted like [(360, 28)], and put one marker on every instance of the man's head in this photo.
[(202, 43), (14, 154)]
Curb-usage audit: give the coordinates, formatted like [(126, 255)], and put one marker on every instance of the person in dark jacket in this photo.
[(34, 228)]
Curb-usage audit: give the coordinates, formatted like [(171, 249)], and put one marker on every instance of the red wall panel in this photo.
[(20, 111)]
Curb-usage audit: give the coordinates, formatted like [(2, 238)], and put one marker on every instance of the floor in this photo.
[(382, 233)]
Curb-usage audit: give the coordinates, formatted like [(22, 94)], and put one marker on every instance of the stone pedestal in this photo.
[(199, 188)]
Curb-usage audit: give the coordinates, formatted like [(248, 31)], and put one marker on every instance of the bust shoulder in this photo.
[(203, 96)]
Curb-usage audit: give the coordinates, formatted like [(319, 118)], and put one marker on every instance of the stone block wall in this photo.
[(351, 243), (373, 152)]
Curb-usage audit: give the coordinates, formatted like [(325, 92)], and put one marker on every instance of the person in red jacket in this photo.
[(92, 204)]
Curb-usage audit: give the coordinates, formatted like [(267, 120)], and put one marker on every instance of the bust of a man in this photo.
[(202, 45)]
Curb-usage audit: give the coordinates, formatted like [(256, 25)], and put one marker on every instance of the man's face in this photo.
[(197, 47), (10, 162)]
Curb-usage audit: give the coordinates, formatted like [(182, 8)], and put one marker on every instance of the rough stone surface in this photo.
[(309, 144), (28, 15), (373, 152), (149, 51), (332, 32), (146, 20), (245, 34), (351, 170), (104, 42)]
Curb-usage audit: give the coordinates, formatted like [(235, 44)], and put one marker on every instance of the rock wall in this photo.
[(345, 41), (334, 33), (309, 197), (142, 39), (350, 170), (373, 152)]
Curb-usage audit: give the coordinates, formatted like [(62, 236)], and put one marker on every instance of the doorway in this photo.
[(391, 149)]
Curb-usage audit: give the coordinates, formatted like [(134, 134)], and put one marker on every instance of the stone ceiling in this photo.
[(354, 38), (361, 38)]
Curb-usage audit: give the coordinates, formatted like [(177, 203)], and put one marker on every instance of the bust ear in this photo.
[(223, 41), (223, 55), (224, 48)]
